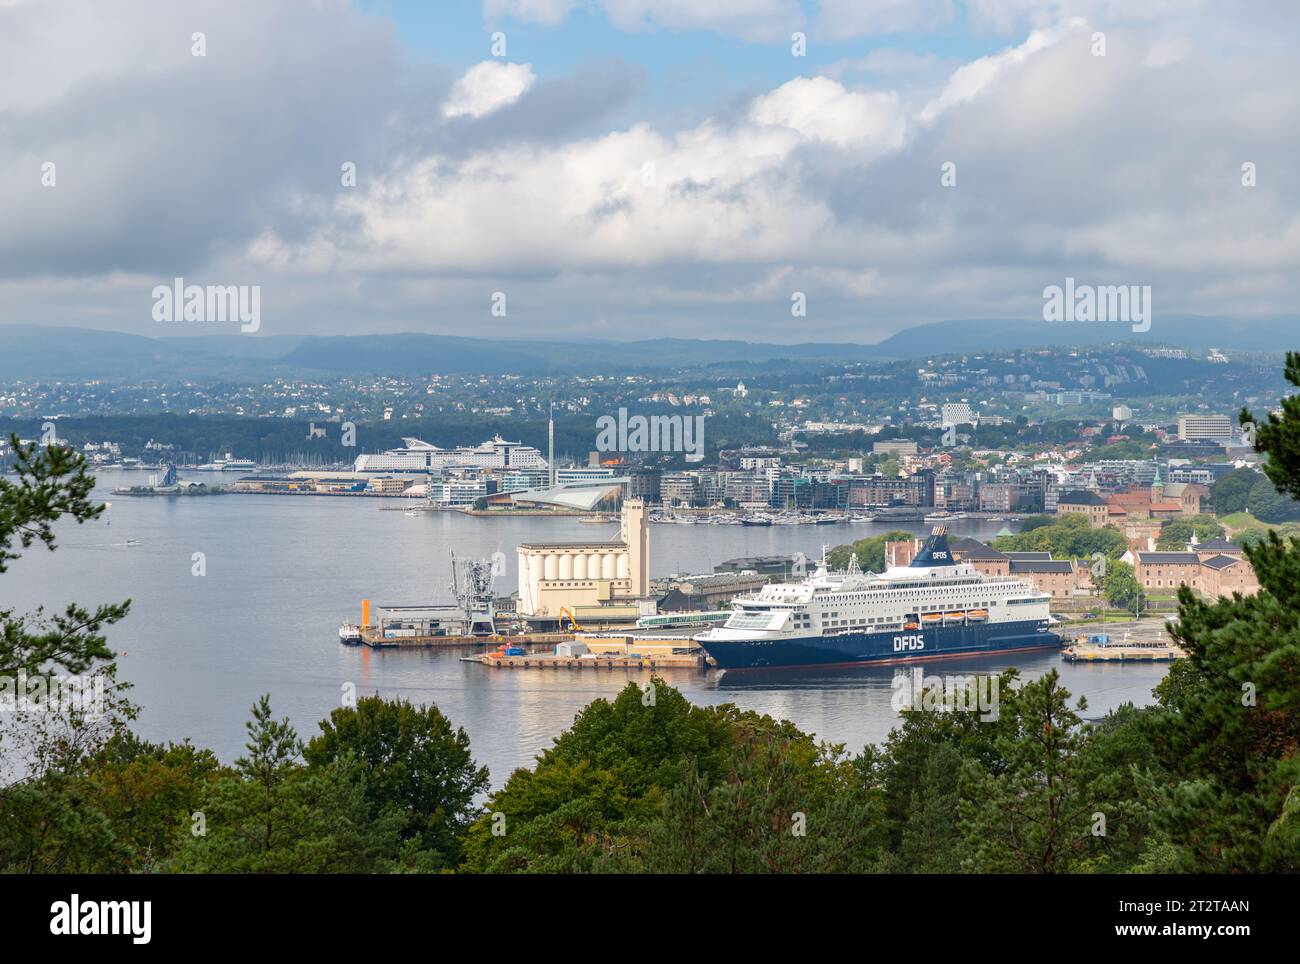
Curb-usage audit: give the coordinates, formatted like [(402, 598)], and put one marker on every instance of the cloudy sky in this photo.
[(627, 168)]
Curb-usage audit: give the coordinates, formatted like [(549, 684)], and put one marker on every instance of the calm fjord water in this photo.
[(283, 572)]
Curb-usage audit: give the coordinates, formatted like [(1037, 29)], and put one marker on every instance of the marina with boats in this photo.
[(793, 518)]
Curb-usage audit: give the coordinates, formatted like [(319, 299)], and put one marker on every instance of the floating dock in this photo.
[(372, 636), (1099, 648), (496, 660), (604, 650)]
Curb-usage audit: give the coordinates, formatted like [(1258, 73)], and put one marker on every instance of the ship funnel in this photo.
[(935, 552)]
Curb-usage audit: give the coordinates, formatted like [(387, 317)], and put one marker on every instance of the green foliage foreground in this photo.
[(648, 782)]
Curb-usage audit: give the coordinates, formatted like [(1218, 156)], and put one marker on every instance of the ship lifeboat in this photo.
[(932, 619), (954, 617), (911, 625), (977, 615)]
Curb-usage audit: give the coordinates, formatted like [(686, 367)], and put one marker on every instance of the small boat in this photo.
[(350, 634)]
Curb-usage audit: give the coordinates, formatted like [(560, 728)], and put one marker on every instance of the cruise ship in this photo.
[(229, 464), (420, 456), (934, 608)]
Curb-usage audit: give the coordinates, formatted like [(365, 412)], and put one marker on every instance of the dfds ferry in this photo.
[(934, 608)]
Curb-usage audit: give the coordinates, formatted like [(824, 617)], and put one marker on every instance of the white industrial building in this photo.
[(572, 575)]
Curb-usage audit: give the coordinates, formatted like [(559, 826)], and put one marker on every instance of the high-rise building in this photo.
[(1205, 428), (957, 413)]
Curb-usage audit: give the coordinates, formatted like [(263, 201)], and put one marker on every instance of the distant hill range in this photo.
[(46, 352), (1197, 332)]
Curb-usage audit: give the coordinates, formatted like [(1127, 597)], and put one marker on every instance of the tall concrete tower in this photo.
[(636, 536), (550, 446)]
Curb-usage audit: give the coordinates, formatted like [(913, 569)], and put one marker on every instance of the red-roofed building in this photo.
[(1159, 501)]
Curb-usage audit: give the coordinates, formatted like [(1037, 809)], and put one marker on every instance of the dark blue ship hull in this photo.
[(854, 649)]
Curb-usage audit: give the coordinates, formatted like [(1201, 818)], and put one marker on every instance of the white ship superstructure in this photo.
[(420, 456), (934, 607), (900, 598)]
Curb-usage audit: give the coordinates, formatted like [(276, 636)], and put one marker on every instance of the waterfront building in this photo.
[(458, 491), (1080, 502), (999, 497), (517, 480), (1165, 571), (642, 483), (574, 576), (585, 473), (1205, 428), (917, 490), (708, 591), (1158, 501), (751, 459), (893, 447), (781, 566), (1212, 569), (679, 488), (1223, 575), (420, 456), (984, 558), (322, 483), (1059, 578), (583, 496)]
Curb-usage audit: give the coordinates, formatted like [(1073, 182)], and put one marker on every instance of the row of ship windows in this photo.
[(832, 618), (909, 595), (923, 609), (862, 622)]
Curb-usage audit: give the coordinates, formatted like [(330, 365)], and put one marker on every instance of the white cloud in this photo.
[(712, 192), (549, 12), (822, 109), (768, 20), (487, 87), (970, 79), (1124, 168), (1004, 16), (844, 19), (883, 60)]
